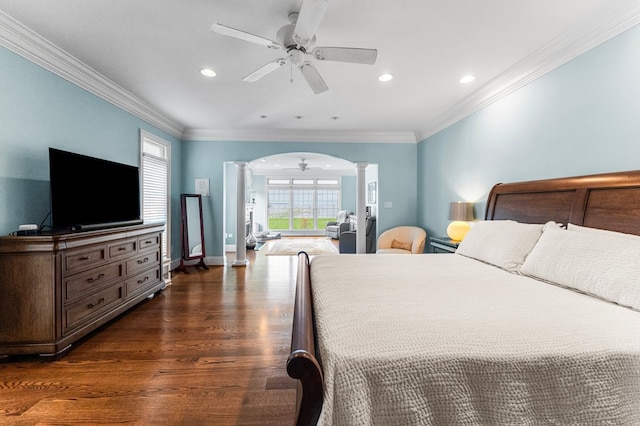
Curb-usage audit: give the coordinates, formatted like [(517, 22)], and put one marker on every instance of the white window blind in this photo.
[(155, 188)]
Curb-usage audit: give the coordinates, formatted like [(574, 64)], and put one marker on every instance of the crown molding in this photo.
[(558, 52), (284, 135), (28, 44)]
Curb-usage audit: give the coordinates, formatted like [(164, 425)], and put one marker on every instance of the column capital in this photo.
[(361, 164)]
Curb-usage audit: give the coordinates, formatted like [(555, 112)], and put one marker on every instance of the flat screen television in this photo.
[(91, 193)]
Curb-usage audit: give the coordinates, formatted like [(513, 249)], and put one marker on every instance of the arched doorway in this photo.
[(298, 193), (294, 165)]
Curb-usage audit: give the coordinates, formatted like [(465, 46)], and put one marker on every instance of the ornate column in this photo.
[(241, 247), (361, 207)]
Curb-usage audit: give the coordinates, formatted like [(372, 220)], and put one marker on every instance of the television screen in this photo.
[(91, 193)]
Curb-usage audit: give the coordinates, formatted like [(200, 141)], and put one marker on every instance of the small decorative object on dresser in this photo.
[(443, 244)]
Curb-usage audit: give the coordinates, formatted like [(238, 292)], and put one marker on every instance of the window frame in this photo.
[(291, 186)]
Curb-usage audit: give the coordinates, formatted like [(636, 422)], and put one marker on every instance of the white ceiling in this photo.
[(287, 164), (153, 49)]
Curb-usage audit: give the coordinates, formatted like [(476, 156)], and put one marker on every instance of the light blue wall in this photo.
[(397, 171), (348, 195), (581, 118), (39, 110)]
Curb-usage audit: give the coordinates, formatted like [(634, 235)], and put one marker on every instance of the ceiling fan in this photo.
[(297, 39), (302, 166)]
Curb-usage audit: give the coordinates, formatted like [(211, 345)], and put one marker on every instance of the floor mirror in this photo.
[(191, 232)]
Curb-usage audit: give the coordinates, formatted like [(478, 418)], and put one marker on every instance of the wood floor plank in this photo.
[(210, 349)]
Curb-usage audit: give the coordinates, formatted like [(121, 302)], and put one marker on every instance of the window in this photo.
[(302, 204), (155, 166)]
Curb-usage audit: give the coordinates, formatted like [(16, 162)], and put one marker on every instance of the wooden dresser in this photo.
[(55, 289)]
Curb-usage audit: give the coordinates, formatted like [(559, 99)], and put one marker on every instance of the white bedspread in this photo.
[(446, 340)]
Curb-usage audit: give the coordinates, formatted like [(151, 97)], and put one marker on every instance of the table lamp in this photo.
[(460, 213)]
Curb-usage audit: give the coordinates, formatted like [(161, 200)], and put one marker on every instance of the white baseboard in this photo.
[(208, 260)]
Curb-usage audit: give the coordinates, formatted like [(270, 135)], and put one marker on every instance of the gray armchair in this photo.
[(333, 229), (348, 238)]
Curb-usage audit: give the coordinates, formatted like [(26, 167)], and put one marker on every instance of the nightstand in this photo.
[(443, 244)]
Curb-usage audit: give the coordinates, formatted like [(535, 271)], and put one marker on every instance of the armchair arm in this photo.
[(344, 227), (333, 222)]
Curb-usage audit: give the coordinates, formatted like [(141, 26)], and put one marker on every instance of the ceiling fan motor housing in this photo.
[(284, 36)]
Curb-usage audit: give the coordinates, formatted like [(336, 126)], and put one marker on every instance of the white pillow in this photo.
[(503, 243), (594, 263), (597, 231)]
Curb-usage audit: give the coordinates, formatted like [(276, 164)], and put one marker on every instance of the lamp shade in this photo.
[(461, 211)]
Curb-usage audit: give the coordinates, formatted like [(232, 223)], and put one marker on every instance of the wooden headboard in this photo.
[(606, 201)]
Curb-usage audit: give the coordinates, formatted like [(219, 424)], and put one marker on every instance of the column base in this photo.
[(240, 263)]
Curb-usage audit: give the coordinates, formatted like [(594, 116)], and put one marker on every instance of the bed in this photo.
[(529, 323)]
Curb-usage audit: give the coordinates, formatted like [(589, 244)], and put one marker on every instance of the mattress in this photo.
[(444, 339)]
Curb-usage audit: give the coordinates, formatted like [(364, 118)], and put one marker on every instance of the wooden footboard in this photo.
[(302, 363)]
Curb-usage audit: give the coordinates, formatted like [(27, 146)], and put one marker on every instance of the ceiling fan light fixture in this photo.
[(385, 77)]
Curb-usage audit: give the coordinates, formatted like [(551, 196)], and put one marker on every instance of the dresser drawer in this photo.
[(149, 242), (79, 260), (80, 312), (122, 248), (85, 283), (143, 262), (139, 283)]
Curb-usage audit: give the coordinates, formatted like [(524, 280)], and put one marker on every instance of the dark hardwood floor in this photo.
[(209, 350)]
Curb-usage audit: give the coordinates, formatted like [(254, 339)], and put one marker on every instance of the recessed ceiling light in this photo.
[(207, 72), (385, 77), (298, 117), (264, 116), (467, 79), (335, 117)]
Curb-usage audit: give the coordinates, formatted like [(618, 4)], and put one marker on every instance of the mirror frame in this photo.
[(184, 231)]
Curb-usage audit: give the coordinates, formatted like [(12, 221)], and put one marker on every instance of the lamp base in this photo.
[(457, 230)]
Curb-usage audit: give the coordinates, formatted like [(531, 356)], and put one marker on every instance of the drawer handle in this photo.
[(122, 248), (101, 300), (148, 242), (85, 258), (145, 260), (145, 279), (99, 277)]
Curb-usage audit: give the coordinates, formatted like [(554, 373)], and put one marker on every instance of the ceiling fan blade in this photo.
[(311, 13), (346, 54), (243, 35), (313, 77), (264, 70)]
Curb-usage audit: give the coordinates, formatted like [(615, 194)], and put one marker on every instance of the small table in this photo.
[(443, 244)]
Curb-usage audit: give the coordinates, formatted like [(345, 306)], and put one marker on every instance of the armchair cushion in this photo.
[(399, 245)]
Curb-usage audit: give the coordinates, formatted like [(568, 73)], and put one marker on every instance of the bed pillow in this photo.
[(598, 264), (502, 243), (597, 231)]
